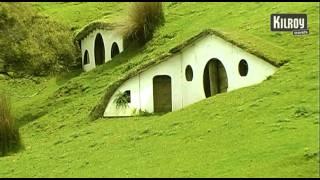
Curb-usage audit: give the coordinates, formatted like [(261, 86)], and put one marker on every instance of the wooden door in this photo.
[(215, 78), (162, 94)]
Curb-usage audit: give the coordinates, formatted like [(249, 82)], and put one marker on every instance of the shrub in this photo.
[(9, 133), (34, 44), (143, 19), (121, 100)]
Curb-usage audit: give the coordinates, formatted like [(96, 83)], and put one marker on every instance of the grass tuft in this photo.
[(9, 133), (143, 19)]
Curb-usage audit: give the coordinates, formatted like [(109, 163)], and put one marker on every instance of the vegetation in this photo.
[(78, 14), (267, 130), (34, 44), (83, 32), (9, 133), (143, 19), (121, 100)]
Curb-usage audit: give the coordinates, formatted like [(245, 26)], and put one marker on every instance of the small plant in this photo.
[(143, 19), (301, 111), (9, 133), (121, 100), (144, 113)]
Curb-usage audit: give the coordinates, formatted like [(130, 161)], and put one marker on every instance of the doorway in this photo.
[(215, 78), (99, 54), (86, 59), (162, 94)]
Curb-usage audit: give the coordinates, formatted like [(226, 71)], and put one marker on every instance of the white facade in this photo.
[(88, 44), (186, 92)]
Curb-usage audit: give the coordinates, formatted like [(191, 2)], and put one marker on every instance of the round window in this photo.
[(189, 73), (243, 67)]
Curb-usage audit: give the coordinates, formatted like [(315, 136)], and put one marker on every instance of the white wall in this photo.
[(186, 92), (133, 86), (87, 43)]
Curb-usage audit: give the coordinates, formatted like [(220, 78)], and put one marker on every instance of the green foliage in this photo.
[(143, 19), (121, 100), (34, 44), (9, 133)]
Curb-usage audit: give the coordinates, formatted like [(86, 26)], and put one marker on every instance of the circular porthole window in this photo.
[(189, 73), (243, 67)]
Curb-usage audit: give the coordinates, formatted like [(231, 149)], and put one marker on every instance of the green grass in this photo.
[(78, 14), (266, 130)]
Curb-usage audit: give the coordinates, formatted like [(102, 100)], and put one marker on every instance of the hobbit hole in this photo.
[(187, 75)]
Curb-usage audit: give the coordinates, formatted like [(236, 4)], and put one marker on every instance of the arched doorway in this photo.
[(99, 54), (114, 49), (86, 59), (215, 78), (162, 93)]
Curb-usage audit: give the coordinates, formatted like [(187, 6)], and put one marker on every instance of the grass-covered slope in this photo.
[(267, 130), (78, 14)]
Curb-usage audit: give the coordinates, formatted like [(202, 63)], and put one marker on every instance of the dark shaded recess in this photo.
[(99, 54), (114, 50)]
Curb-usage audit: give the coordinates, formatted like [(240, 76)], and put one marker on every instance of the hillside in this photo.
[(78, 14), (267, 130)]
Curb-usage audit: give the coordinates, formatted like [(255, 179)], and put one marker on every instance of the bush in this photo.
[(9, 133), (121, 100), (143, 19), (34, 44)]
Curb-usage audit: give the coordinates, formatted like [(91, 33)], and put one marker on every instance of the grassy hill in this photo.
[(78, 14), (266, 130)]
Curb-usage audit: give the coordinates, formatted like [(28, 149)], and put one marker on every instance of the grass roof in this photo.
[(99, 109), (82, 33)]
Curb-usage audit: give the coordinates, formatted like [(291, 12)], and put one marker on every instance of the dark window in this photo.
[(128, 96), (86, 59), (189, 73), (243, 67), (114, 50), (99, 50)]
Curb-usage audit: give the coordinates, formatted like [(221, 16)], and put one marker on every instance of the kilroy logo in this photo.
[(297, 23)]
